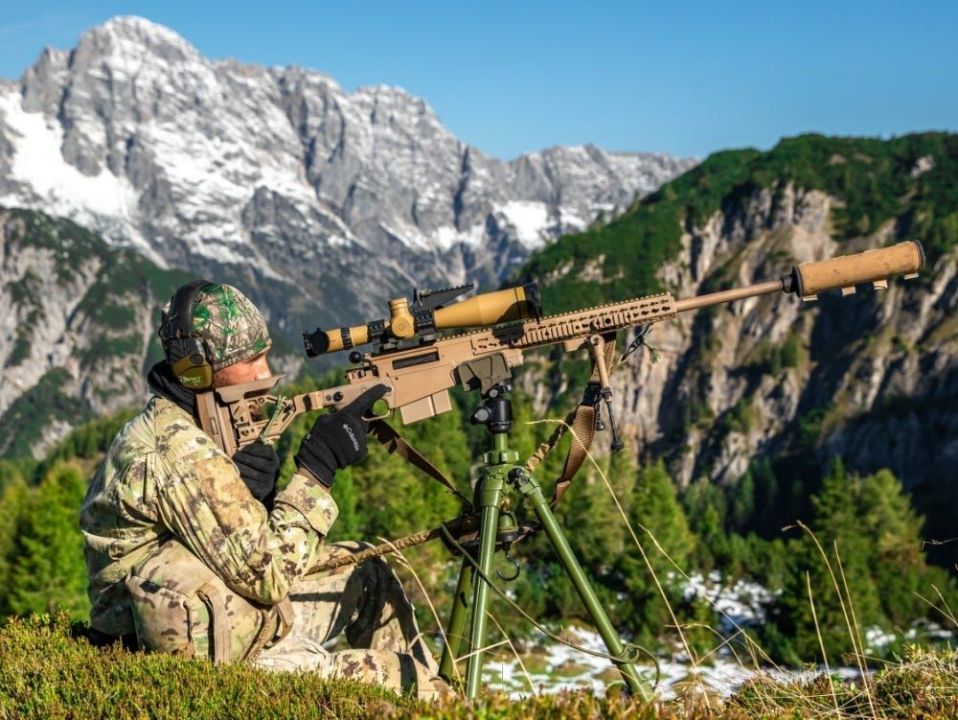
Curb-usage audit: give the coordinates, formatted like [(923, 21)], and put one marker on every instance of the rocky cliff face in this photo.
[(871, 378), (77, 326)]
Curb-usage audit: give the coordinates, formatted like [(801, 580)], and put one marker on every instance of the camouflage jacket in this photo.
[(164, 477)]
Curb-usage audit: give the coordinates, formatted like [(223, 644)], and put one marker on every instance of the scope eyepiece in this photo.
[(316, 342)]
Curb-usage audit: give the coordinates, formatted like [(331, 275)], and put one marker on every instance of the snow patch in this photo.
[(742, 603), (528, 219), (568, 669), (570, 221), (445, 237), (103, 201), (876, 638)]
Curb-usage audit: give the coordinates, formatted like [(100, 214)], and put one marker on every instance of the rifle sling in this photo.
[(395, 444), (582, 422)]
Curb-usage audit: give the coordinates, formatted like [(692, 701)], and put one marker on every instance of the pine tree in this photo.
[(773, 515), (836, 530), (48, 570), (705, 508), (743, 503), (887, 518), (12, 503), (656, 513), (868, 524)]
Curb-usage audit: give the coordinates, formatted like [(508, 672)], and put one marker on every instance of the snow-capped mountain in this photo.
[(280, 180)]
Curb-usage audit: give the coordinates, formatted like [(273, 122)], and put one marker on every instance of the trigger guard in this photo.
[(372, 416)]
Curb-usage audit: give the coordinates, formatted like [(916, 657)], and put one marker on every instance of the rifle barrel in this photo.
[(724, 296)]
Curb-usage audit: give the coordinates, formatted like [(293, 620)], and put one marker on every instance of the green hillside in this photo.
[(878, 180), (907, 187), (107, 292)]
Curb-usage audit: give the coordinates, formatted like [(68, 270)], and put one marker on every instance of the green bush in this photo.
[(864, 538)]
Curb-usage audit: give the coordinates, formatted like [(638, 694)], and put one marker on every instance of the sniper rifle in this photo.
[(419, 364)]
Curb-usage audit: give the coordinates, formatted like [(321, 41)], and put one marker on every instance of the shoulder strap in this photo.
[(396, 444)]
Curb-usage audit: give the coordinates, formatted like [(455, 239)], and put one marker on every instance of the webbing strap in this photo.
[(582, 422), (583, 432), (394, 443)]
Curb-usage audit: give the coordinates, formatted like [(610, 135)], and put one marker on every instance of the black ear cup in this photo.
[(183, 351)]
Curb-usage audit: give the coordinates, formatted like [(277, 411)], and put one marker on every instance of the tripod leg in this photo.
[(529, 488), (457, 622), (480, 596)]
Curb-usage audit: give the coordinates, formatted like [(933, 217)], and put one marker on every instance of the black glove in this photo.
[(258, 465), (338, 439)]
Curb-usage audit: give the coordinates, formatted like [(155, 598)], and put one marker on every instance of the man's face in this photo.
[(256, 368)]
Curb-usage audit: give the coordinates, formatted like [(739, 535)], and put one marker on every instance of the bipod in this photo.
[(501, 477)]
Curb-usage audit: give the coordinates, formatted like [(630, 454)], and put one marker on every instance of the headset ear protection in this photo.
[(184, 351)]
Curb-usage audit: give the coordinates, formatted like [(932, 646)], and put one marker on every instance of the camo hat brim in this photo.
[(229, 325)]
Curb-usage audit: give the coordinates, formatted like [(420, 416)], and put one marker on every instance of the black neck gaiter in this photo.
[(161, 380)]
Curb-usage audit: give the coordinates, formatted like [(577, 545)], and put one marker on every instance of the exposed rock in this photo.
[(882, 365), (77, 323)]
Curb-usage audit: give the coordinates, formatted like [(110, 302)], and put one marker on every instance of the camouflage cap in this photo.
[(228, 324)]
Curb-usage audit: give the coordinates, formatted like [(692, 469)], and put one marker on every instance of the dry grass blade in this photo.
[(821, 640), (635, 538), (515, 652), (484, 649), (853, 630), (866, 682), (398, 554)]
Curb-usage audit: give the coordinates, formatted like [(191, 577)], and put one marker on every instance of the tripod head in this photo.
[(496, 410)]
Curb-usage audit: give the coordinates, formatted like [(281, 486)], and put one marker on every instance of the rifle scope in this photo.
[(427, 315)]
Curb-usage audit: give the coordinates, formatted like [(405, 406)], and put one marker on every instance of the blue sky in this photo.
[(509, 77)]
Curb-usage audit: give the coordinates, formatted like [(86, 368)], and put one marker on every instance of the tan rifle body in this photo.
[(419, 378)]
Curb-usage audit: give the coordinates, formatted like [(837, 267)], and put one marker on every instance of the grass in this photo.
[(49, 670)]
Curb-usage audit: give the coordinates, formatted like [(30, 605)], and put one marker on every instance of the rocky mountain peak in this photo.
[(128, 38), (191, 154)]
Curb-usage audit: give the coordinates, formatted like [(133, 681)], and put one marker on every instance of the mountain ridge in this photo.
[(129, 82), (318, 203), (868, 378)]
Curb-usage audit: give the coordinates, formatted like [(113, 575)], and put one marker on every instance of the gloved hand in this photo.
[(338, 439), (258, 465)]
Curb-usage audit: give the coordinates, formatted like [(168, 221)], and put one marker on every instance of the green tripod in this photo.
[(500, 478)]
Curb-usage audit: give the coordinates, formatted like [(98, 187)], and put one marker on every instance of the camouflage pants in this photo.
[(182, 607), (368, 604)]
